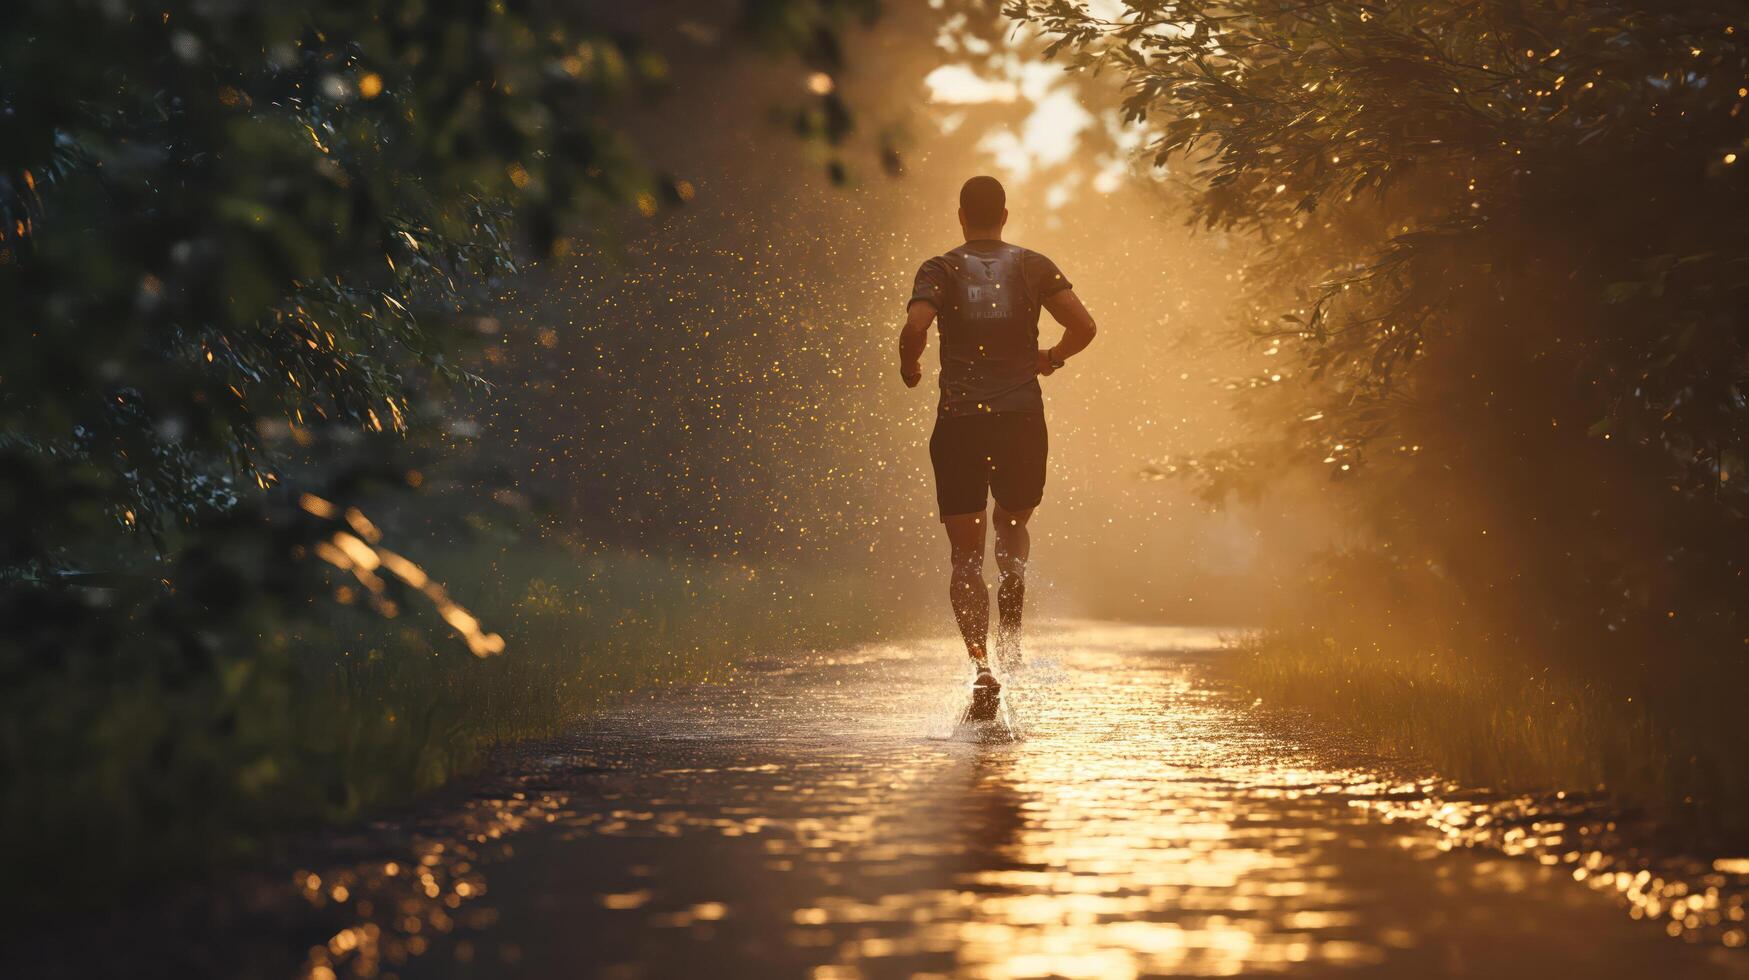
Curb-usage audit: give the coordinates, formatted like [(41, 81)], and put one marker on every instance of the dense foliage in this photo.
[(1504, 280), (230, 222)]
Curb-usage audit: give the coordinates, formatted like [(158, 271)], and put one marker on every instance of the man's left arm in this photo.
[(913, 338)]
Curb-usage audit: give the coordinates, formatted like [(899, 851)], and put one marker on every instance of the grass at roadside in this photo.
[(151, 769), (1486, 724), (579, 630)]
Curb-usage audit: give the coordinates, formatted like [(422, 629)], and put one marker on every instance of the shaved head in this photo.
[(983, 200)]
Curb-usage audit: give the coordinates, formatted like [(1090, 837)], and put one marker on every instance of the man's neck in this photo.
[(984, 236)]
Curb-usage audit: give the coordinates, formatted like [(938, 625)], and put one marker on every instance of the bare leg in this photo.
[(968, 593), (1013, 547)]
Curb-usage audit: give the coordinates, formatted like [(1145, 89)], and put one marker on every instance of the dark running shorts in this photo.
[(1002, 452)]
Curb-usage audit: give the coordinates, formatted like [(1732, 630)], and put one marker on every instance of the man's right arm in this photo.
[(913, 338), (1078, 328)]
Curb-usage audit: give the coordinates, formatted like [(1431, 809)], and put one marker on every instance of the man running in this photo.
[(990, 425)]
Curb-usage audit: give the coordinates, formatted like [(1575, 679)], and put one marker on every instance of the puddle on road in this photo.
[(401, 907), (1699, 901), (810, 820)]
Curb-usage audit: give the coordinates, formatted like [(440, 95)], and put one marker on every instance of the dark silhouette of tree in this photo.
[(1505, 273)]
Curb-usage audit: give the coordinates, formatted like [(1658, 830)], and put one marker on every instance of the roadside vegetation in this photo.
[(1500, 315), (154, 770), (246, 253), (1479, 723)]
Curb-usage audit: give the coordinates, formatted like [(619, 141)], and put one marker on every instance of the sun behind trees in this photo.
[(1504, 272)]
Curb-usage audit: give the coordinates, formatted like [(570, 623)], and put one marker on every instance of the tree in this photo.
[(1498, 261), (224, 214), (228, 222)]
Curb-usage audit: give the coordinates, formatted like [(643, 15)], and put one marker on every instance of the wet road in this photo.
[(815, 818)]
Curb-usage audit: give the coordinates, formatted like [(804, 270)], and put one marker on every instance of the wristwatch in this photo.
[(1056, 362)]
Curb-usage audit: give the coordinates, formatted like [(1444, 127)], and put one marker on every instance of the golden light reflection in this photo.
[(359, 554), (398, 911), (821, 817), (1696, 900)]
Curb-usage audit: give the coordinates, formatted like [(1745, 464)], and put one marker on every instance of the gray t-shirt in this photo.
[(987, 295)]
